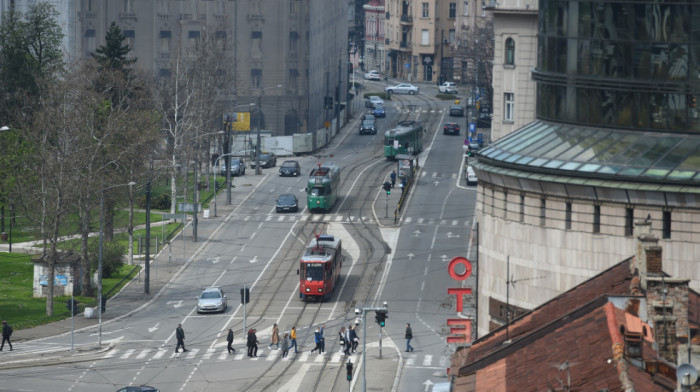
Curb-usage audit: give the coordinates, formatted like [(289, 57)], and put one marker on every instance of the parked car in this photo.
[(368, 126), (451, 128), (290, 168), (212, 299), (237, 167), (139, 388), (379, 110), (373, 75), (456, 110), (448, 88), (403, 88), (372, 101), (267, 159), (287, 202)]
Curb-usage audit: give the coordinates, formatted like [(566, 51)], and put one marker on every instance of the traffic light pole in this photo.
[(364, 342)]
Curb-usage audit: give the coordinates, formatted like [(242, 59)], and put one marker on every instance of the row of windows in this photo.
[(568, 216)]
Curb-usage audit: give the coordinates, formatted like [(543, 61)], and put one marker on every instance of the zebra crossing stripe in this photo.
[(127, 354), (143, 353), (273, 355), (159, 354), (239, 357), (410, 360), (111, 353), (209, 353), (192, 354), (304, 356), (427, 360)]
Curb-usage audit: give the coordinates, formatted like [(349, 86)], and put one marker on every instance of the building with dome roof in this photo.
[(616, 140)]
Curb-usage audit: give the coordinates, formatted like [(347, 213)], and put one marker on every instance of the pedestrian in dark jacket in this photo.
[(354, 339), (254, 343), (180, 335), (285, 345), (348, 343), (393, 178), (408, 336), (249, 342), (229, 339), (6, 333), (317, 340), (323, 340)]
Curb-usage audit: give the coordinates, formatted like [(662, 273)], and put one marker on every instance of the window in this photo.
[(424, 37), (666, 230), (293, 7), (543, 212), (129, 35), (629, 221), (165, 37), (90, 40), (483, 9), (220, 38), (293, 80), (466, 8), (293, 41), (164, 72), (522, 208), (256, 43), (89, 5), (509, 104), (193, 36), (128, 6), (453, 10), (510, 51), (426, 10), (451, 36), (255, 78), (568, 215), (596, 219)]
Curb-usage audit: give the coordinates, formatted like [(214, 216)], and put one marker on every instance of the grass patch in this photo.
[(449, 97), (22, 310)]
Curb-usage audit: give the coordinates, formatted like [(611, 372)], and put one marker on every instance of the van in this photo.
[(471, 176)]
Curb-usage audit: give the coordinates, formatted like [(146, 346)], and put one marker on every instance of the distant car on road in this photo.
[(448, 88), (451, 128), (237, 167), (290, 168), (470, 176), (403, 88), (373, 75), (368, 125), (379, 110), (373, 100), (139, 388), (212, 299), (287, 202), (456, 110), (267, 159)]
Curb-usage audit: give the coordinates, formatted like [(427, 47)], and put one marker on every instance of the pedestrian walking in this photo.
[(403, 184), (275, 339), (254, 343), (285, 345), (293, 337), (180, 335), (6, 333), (249, 343), (393, 178), (323, 340), (341, 340), (317, 340), (354, 339), (348, 343), (408, 337), (229, 339)]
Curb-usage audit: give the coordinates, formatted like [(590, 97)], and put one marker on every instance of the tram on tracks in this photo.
[(405, 138), (323, 187), (319, 268)]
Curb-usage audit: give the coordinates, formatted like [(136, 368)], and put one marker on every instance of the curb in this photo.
[(60, 357)]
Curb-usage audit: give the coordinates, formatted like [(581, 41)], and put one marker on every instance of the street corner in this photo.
[(20, 359)]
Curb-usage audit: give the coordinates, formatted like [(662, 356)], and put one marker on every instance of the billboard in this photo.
[(239, 121)]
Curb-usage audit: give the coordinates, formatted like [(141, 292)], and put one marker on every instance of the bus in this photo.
[(406, 138), (322, 188), (319, 269)]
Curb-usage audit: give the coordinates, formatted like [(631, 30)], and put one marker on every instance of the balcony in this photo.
[(406, 19), (405, 45)]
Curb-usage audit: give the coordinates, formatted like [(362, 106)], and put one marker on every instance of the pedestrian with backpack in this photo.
[(6, 333)]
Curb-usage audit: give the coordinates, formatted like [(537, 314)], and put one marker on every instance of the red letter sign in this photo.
[(453, 264), (463, 328), (459, 293)]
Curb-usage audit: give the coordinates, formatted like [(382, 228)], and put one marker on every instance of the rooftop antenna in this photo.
[(509, 281)]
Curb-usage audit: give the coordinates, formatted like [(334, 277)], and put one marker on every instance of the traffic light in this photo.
[(104, 304), (387, 187), (380, 317), (692, 101), (348, 367), (245, 295), (328, 102)]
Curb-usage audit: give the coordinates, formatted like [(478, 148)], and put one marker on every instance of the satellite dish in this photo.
[(687, 374)]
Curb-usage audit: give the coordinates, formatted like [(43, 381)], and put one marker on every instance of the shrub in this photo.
[(112, 258)]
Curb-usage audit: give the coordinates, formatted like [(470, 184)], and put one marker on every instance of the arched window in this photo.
[(510, 51)]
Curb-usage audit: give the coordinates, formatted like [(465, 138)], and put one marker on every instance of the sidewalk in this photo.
[(132, 297)]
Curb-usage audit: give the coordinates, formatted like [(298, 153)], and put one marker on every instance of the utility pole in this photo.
[(227, 159), (147, 261)]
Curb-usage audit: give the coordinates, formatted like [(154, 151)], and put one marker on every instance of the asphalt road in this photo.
[(251, 245)]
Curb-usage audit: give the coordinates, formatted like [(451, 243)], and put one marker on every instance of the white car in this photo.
[(448, 88), (373, 75), (372, 101), (403, 88), (212, 299)]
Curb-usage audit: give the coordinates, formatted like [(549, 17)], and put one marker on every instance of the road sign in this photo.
[(472, 127)]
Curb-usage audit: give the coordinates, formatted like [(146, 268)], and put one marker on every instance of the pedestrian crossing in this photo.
[(356, 219), (264, 355)]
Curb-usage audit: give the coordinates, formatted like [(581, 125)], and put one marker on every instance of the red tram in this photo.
[(319, 269)]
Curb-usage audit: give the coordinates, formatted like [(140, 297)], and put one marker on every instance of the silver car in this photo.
[(403, 88), (212, 299)]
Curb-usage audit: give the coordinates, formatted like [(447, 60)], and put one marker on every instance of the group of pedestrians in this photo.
[(347, 338), (402, 182)]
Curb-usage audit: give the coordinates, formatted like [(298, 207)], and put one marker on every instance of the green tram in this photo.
[(322, 188), (406, 138)]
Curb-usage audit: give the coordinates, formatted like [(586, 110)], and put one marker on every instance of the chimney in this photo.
[(647, 261)]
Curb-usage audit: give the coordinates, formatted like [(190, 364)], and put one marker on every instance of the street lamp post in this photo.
[(228, 175), (99, 258), (227, 151), (258, 170)]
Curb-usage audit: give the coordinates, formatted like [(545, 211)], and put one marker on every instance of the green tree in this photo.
[(113, 54)]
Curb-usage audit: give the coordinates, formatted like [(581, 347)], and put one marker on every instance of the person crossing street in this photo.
[(180, 335), (229, 339), (6, 333)]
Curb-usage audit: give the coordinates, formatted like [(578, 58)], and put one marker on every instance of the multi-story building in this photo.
[(515, 55), (268, 45), (616, 139), (471, 42), (375, 27), (417, 38)]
